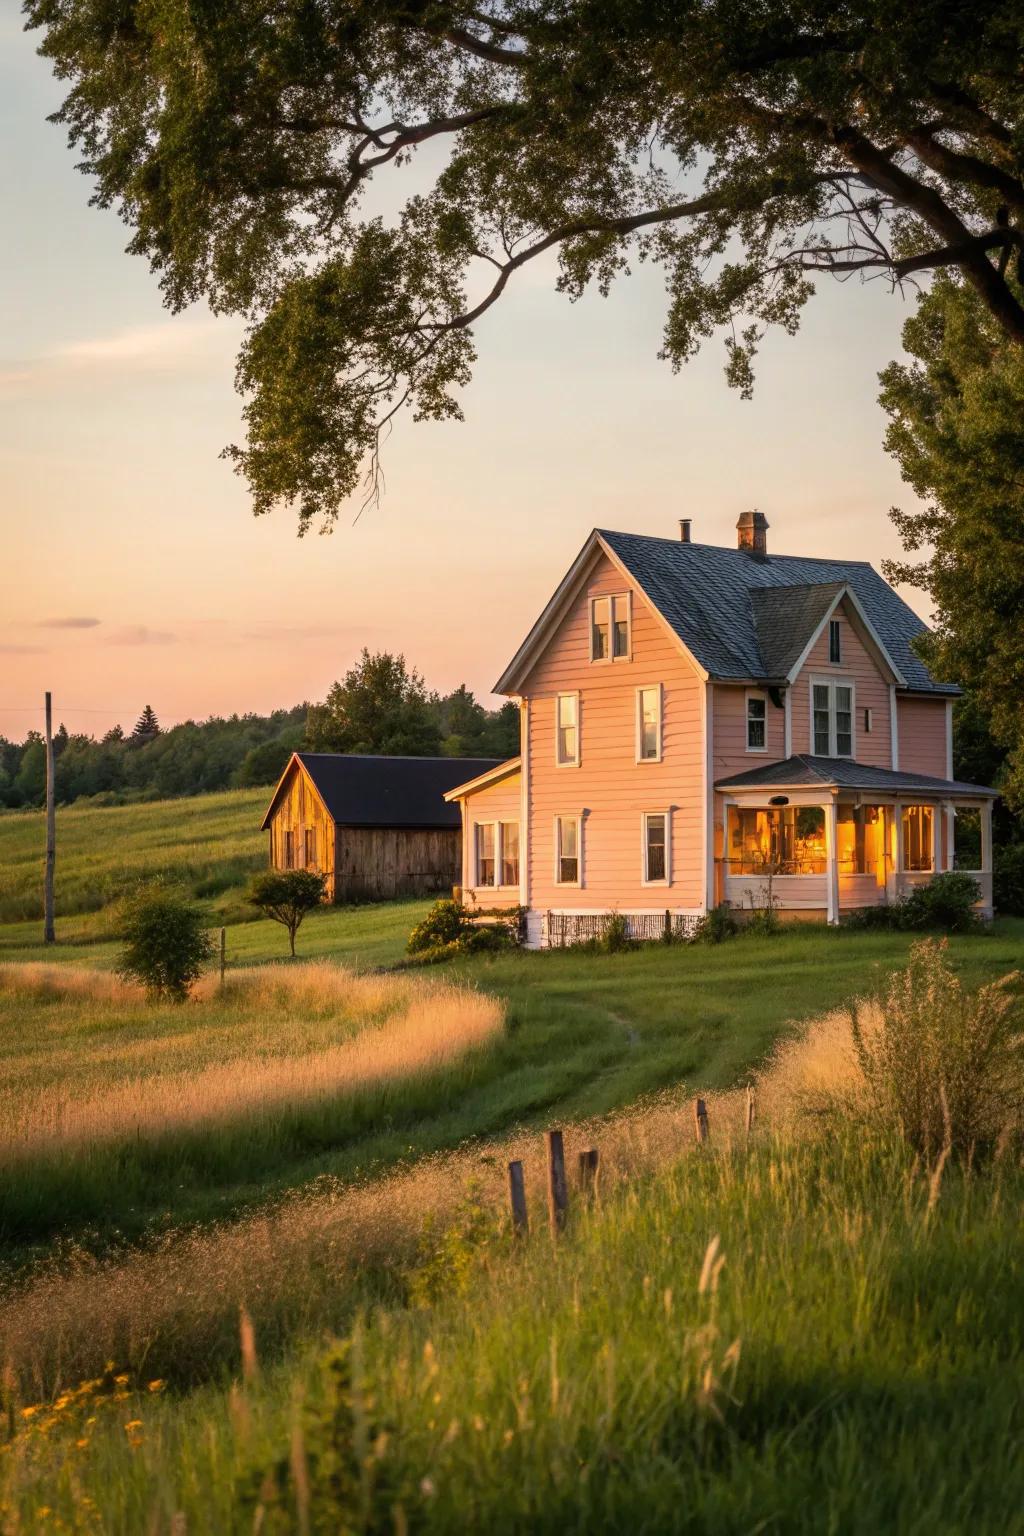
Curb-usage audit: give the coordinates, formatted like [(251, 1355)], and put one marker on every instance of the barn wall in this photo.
[(377, 863), (299, 810)]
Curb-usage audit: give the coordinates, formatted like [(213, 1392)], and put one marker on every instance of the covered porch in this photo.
[(824, 836)]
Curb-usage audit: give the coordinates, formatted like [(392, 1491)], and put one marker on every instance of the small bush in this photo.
[(286, 895), (445, 923), (716, 925), (1008, 880), (943, 1066), (166, 942), (615, 937), (946, 902), (448, 931)]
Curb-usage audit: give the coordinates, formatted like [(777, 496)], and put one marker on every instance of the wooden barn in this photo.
[(377, 827)]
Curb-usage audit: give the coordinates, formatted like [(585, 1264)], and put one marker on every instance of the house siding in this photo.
[(609, 790), (299, 809), (497, 802), (921, 724), (871, 691)]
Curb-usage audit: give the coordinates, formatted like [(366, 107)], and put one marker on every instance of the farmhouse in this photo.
[(704, 724), (377, 827)]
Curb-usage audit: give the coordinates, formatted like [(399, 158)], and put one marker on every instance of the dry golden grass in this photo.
[(390, 1028)]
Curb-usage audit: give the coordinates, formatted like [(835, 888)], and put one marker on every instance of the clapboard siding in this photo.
[(498, 802), (729, 731), (609, 789), (871, 691), (921, 724)]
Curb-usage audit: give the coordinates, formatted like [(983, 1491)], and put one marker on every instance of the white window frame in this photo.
[(832, 683), (645, 817), (657, 688), (835, 629), (755, 693), (560, 761), (576, 884), (609, 598), (478, 884), (499, 864)]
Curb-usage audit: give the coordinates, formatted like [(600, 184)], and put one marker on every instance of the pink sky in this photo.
[(132, 568)]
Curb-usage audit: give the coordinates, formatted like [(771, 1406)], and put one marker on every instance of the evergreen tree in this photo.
[(147, 727)]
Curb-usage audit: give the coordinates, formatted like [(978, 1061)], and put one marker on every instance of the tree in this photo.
[(286, 895), (265, 763), (30, 779), (147, 728), (165, 942), (745, 145), (380, 706), (957, 430)]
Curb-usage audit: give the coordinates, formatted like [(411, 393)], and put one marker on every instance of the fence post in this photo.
[(588, 1171), (668, 926), (517, 1197), (750, 1109), (223, 953), (558, 1194), (700, 1119)]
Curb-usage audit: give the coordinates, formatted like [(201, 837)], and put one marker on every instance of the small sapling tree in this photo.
[(166, 942), (286, 895)]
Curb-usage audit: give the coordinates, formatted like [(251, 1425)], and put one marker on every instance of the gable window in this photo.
[(509, 852), (656, 848), (567, 850), (485, 865), (835, 642), (757, 723), (311, 847), (610, 627), (648, 724), (831, 718), (567, 730)]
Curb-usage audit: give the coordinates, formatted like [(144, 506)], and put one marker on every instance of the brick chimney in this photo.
[(752, 534), (684, 530)]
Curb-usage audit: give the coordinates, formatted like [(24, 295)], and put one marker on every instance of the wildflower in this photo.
[(156, 1386), (30, 1412), (133, 1424)]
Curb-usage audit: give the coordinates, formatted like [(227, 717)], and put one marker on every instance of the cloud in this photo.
[(179, 344), (73, 622), (8, 649), (139, 634)]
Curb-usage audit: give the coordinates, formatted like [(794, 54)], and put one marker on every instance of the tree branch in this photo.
[(956, 165)]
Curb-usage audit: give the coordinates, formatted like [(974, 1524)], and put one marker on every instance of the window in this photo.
[(567, 729), (609, 628), (510, 853), (311, 847), (656, 851), (917, 838), (832, 719), (485, 864), (781, 840), (757, 723), (835, 642), (860, 841), (648, 724), (567, 850), (289, 849)]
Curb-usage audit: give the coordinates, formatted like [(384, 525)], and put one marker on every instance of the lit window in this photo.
[(609, 627), (917, 838), (832, 719), (567, 732), (648, 724), (567, 852), (485, 853), (860, 841), (510, 853), (656, 848), (835, 642), (757, 723), (778, 840), (311, 848)]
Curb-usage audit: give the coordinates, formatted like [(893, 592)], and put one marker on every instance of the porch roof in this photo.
[(805, 772)]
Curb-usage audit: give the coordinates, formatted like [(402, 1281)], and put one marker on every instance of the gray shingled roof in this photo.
[(726, 604), (843, 773), (366, 791), (785, 618)]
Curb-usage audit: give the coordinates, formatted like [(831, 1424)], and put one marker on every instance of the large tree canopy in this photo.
[(743, 144)]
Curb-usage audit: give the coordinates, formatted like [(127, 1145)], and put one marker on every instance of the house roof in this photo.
[(366, 791), (741, 616), (805, 772), (505, 770)]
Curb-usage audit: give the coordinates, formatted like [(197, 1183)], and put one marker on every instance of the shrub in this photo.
[(715, 925), (946, 902), (445, 923), (166, 943), (1008, 879), (286, 895), (447, 932), (943, 1066), (615, 935)]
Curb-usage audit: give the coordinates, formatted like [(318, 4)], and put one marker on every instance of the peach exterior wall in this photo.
[(499, 802), (609, 787), (921, 726), (729, 732), (871, 691)]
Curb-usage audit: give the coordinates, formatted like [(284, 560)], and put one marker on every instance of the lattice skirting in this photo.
[(559, 930)]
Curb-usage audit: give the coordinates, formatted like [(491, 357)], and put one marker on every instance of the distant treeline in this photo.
[(379, 706)]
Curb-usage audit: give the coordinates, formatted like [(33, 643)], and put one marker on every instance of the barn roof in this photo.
[(365, 791)]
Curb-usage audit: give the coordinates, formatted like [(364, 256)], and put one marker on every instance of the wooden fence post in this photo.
[(588, 1162), (517, 1197), (558, 1194), (700, 1119), (750, 1110)]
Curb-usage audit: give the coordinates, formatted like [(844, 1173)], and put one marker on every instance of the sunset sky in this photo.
[(133, 571)]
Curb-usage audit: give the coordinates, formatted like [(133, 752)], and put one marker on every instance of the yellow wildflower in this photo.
[(156, 1386)]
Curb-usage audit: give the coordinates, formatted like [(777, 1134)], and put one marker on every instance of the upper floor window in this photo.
[(656, 848), (648, 724), (832, 719), (567, 729), (757, 723), (610, 628), (567, 850), (835, 642)]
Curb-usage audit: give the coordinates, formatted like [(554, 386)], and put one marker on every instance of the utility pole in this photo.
[(49, 937)]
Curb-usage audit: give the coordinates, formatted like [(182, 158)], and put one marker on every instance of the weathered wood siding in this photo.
[(300, 810), (921, 725), (609, 789), (871, 691), (498, 802), (378, 863)]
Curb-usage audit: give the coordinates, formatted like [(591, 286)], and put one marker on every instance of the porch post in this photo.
[(936, 837), (896, 850), (950, 810), (832, 861), (986, 837)]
